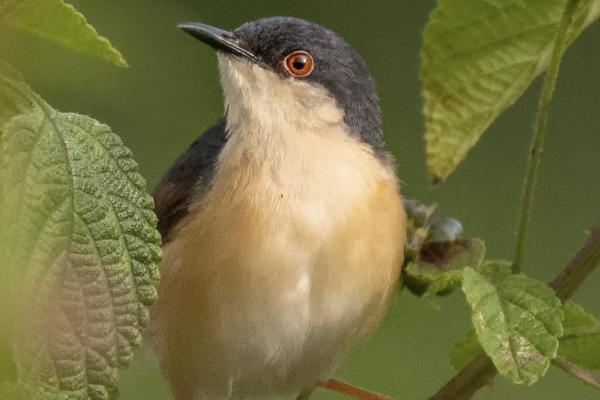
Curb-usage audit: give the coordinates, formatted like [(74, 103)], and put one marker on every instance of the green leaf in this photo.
[(580, 343), (444, 283), (62, 24), (15, 96), (9, 72), (496, 269), (438, 269), (83, 250), (465, 350), (518, 323), (579, 351), (478, 57), (7, 6), (14, 391)]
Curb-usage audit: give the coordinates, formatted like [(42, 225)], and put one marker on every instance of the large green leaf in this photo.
[(517, 321), (478, 57), (62, 24), (13, 391), (15, 95), (82, 250), (7, 6), (15, 98), (579, 351)]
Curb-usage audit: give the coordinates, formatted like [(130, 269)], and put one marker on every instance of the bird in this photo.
[(283, 225)]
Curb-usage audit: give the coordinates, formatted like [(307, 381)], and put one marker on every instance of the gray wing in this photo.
[(192, 172)]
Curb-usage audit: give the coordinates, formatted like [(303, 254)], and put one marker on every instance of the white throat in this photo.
[(274, 103), (288, 138), (269, 115)]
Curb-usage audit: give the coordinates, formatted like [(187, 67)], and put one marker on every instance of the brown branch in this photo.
[(353, 391), (587, 376), (579, 268), (475, 375), (481, 370)]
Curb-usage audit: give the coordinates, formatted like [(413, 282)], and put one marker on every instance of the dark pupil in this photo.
[(299, 62)]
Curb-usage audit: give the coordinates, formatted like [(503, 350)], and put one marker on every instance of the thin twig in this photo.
[(539, 133), (579, 268), (587, 376), (481, 370), (353, 391)]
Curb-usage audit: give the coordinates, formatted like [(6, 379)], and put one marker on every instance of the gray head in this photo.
[(302, 59)]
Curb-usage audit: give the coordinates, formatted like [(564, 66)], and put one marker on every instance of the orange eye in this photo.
[(299, 63)]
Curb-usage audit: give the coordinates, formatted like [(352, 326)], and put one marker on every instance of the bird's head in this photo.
[(287, 69)]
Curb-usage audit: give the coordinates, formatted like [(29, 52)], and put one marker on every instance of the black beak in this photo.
[(218, 39)]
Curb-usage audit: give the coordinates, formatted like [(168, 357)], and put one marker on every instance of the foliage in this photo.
[(61, 23), (579, 345), (517, 321), (15, 391), (579, 352), (478, 57), (79, 244), (580, 342)]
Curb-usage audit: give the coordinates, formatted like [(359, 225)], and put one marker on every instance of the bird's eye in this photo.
[(299, 63)]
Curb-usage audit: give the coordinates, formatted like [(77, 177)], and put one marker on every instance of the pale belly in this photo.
[(257, 301)]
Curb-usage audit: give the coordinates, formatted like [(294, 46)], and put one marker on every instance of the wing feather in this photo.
[(188, 178)]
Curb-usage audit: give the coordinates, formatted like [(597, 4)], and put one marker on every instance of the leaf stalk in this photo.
[(539, 133)]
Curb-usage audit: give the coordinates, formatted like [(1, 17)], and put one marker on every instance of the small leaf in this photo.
[(580, 343), (444, 283), (83, 250), (438, 269), (517, 321), (496, 268), (465, 350), (478, 57), (62, 24)]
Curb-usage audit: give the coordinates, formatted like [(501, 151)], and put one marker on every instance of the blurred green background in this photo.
[(170, 94)]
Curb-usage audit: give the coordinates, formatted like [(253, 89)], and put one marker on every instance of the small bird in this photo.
[(283, 226)]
